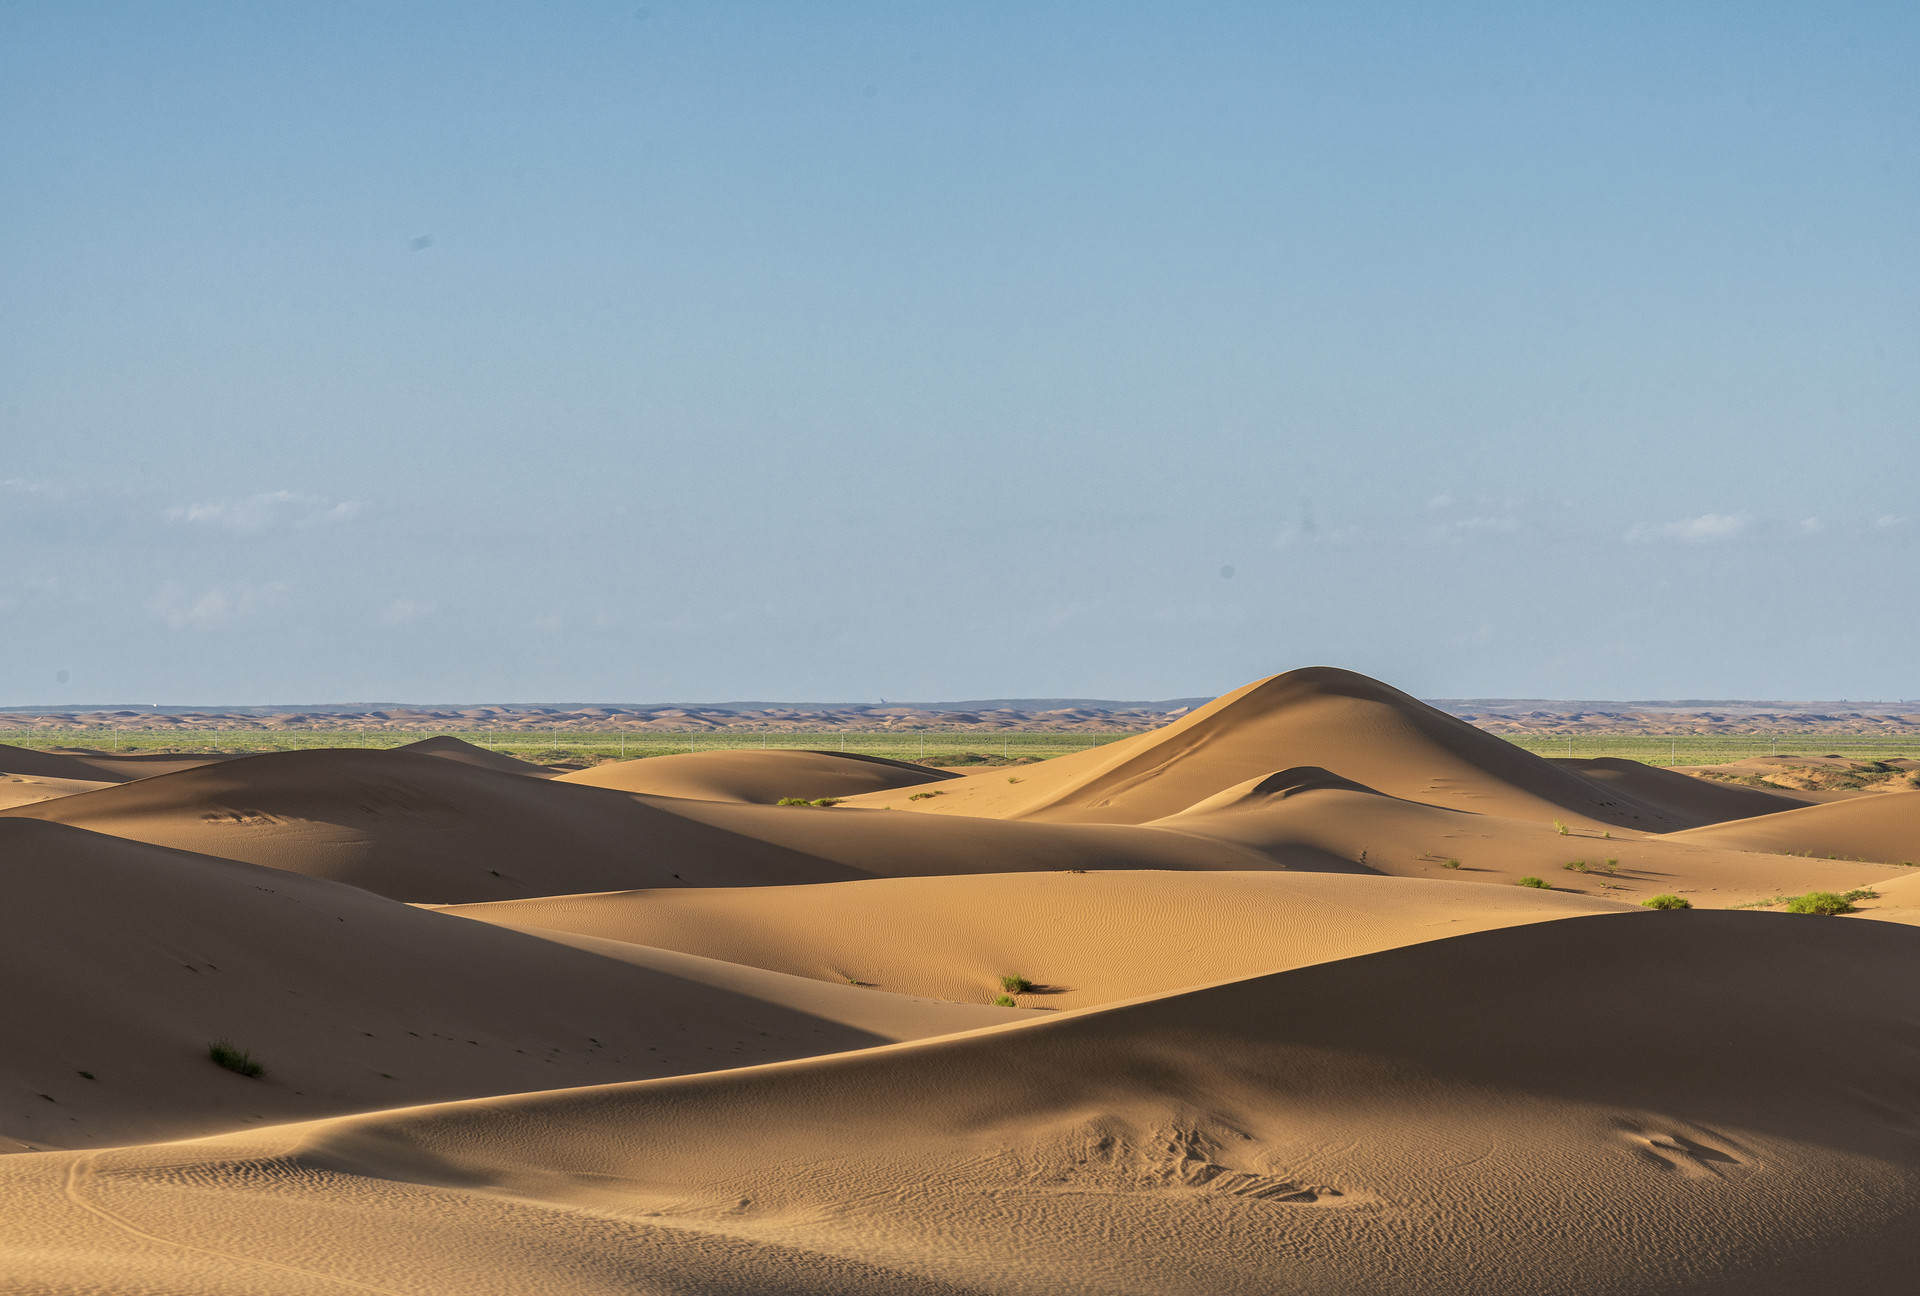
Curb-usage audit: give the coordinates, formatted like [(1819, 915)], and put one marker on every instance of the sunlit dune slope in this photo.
[(26, 789), (1883, 827), (1355, 726), (467, 753), (764, 777), (421, 827), (955, 937), (125, 960), (1615, 1103), (1311, 813), (99, 766)]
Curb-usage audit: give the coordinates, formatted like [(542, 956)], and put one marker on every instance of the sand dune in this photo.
[(25, 789), (124, 960), (1883, 827), (954, 937), (1357, 727), (1524, 1109), (467, 754), (1309, 813), (762, 777), (424, 828), (98, 766), (677, 1041)]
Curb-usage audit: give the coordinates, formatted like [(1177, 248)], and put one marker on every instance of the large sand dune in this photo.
[(1357, 727), (1535, 1108), (1290, 1026)]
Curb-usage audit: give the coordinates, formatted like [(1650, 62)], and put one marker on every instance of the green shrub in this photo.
[(793, 801), (236, 1060), (1452, 863), (1826, 903), (1004, 1001), (921, 796), (1015, 984), (1575, 866), (1535, 882), (1611, 864), (1560, 828), (1666, 902), (827, 802)]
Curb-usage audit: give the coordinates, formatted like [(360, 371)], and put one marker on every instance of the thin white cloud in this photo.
[(1708, 528), (213, 608), (403, 611), (41, 489), (1811, 526), (266, 511), (1467, 528), (1888, 522)]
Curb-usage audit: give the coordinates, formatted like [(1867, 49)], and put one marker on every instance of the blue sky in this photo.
[(694, 351)]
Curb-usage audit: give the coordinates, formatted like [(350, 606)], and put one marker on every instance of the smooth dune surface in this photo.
[(758, 777), (1883, 827), (1278, 1017), (1414, 1120), (1320, 716), (955, 937)]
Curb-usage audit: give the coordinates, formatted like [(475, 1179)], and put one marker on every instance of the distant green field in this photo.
[(1717, 749), (569, 744), (934, 748)]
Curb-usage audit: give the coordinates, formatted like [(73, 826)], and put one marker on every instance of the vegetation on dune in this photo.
[(237, 1060), (1828, 903), (1561, 828), (824, 802), (1015, 984), (1450, 863), (1666, 902), (1575, 866), (1004, 1001), (1534, 882)]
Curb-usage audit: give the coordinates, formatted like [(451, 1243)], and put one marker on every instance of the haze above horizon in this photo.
[(1129, 351)]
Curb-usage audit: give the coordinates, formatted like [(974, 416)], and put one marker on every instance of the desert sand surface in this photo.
[(1276, 1018), (757, 777)]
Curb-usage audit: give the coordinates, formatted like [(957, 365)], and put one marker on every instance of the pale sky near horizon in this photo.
[(571, 350)]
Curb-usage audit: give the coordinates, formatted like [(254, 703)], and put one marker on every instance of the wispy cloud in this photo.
[(39, 489), (403, 611), (218, 606), (266, 511), (1708, 528)]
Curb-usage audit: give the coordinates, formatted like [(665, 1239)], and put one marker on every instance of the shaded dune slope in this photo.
[(124, 960), (99, 766), (1494, 1112), (954, 937), (761, 777), (1354, 726), (1697, 800), (423, 828), (467, 753)]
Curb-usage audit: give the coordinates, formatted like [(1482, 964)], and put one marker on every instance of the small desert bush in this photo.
[(1575, 866), (802, 801), (1452, 863), (1535, 882), (236, 1060), (1015, 984), (1560, 828), (1004, 1001), (1826, 903), (1666, 902), (921, 796), (1612, 863)]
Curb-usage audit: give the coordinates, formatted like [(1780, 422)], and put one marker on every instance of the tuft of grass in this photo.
[(1561, 828), (1004, 1001), (1450, 863), (1607, 835), (1612, 863), (1666, 902), (1012, 779), (1825, 903), (237, 1060), (802, 801), (1575, 866), (827, 802), (921, 796), (1535, 882), (1860, 893), (1015, 984), (793, 801)]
